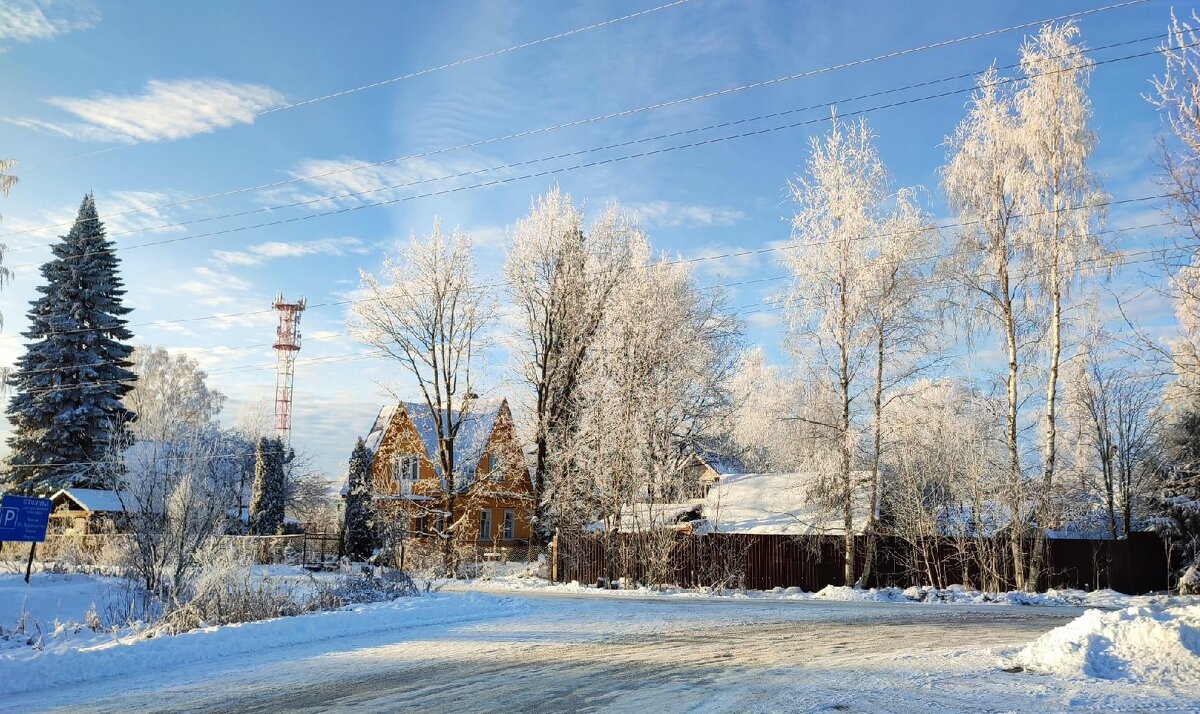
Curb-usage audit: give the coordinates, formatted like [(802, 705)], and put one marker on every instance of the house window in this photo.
[(495, 467), (510, 525), (420, 525), (485, 525), (406, 467)]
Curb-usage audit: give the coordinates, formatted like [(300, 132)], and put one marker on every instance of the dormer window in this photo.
[(495, 467), (406, 467)]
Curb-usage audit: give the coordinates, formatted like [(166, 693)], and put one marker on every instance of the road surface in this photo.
[(562, 653)]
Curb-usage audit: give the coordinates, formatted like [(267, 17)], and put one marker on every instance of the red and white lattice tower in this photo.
[(287, 344)]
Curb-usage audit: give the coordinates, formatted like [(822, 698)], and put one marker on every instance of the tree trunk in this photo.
[(1043, 501), (869, 530), (1014, 455)]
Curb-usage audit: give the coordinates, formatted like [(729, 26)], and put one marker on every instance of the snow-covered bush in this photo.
[(227, 590), (365, 586)]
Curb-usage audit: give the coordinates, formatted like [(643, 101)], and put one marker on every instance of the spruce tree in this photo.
[(66, 409), (266, 496), (359, 538)]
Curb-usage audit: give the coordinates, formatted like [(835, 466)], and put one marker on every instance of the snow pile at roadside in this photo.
[(68, 651), (1143, 645)]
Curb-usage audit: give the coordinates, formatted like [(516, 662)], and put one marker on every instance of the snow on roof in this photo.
[(94, 500), (777, 503), (474, 431), (643, 516)]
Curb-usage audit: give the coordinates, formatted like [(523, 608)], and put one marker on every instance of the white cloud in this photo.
[(165, 110), (667, 213), (262, 252), (28, 20), (337, 177)]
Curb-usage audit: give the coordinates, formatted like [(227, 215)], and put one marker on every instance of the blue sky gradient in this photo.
[(183, 61)]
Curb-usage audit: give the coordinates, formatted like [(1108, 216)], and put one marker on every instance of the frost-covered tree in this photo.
[(170, 396), (986, 181), (1062, 245), (428, 313), (267, 498), (855, 303), (1113, 408), (357, 530), (67, 409), (561, 279), (653, 393), (762, 434), (945, 467), (7, 181)]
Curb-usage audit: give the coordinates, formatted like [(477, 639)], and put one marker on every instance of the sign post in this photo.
[(24, 519)]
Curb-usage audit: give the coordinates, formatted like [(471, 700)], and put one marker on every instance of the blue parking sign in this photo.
[(23, 518)]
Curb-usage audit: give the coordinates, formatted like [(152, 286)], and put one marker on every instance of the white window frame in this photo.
[(510, 525), (495, 467), (485, 524), (406, 467)]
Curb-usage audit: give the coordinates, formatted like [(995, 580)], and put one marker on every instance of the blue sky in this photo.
[(149, 103)]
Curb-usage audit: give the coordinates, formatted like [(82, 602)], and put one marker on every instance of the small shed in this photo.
[(80, 511)]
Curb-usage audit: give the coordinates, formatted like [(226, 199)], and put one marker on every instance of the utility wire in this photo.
[(575, 167), (594, 119), (419, 73), (1115, 259), (682, 261)]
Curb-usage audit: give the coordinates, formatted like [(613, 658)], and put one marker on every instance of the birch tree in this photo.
[(899, 314), (1053, 110), (986, 182), (427, 312), (854, 293), (561, 280)]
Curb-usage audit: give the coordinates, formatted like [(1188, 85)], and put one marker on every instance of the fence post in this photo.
[(554, 557)]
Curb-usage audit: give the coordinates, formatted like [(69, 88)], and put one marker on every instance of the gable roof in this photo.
[(474, 432), (92, 499)]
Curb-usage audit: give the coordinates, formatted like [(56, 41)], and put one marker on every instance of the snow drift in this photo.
[(1144, 645)]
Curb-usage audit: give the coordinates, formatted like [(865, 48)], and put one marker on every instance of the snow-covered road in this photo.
[(563, 653)]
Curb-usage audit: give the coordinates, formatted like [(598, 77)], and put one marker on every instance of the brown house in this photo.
[(493, 502)]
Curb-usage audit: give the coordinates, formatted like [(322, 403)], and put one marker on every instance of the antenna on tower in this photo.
[(287, 344)]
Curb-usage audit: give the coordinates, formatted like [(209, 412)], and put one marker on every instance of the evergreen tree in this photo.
[(66, 411), (357, 531), (267, 494)]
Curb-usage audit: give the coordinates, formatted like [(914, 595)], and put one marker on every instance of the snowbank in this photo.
[(955, 594), (1144, 645), (68, 651)]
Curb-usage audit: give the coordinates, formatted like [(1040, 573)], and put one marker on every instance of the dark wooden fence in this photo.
[(761, 562)]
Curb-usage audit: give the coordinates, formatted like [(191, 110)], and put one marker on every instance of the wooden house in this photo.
[(82, 511), (493, 502)]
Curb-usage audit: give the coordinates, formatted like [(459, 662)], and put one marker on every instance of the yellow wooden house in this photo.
[(493, 492)]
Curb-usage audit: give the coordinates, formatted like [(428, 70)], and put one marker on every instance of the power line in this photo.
[(419, 73), (735, 311), (683, 261), (555, 171), (594, 119)]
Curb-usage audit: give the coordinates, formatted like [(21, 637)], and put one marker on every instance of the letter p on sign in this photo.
[(8, 517)]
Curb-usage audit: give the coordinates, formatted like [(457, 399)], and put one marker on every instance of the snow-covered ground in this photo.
[(552, 648)]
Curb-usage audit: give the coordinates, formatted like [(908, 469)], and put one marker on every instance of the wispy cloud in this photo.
[(29, 20), (165, 110), (262, 252), (339, 177), (667, 213)]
